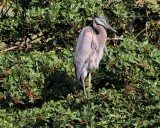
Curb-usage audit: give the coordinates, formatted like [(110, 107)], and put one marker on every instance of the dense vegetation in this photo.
[(37, 81)]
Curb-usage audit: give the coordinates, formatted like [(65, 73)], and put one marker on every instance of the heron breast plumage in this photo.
[(97, 53)]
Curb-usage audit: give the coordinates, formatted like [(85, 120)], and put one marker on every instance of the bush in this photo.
[(57, 23), (24, 75), (37, 81), (128, 97)]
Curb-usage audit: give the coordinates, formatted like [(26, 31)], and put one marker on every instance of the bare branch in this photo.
[(9, 49), (116, 38)]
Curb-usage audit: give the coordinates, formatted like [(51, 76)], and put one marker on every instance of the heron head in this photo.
[(101, 21)]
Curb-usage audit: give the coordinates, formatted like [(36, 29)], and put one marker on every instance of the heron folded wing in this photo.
[(83, 51)]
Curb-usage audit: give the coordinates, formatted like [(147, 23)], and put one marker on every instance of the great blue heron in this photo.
[(89, 49)]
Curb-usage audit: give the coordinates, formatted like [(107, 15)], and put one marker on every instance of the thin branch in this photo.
[(34, 39), (9, 49), (140, 32), (7, 10), (3, 8), (114, 39), (16, 47), (146, 24)]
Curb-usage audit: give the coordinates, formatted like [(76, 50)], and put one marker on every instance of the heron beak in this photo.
[(107, 26)]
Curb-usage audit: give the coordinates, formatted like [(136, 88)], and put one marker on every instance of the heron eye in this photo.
[(103, 21)]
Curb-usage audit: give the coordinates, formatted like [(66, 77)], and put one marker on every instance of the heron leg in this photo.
[(84, 87), (89, 83)]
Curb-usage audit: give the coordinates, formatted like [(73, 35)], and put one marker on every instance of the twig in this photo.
[(9, 49), (39, 36), (7, 10), (147, 24), (3, 7), (114, 39), (16, 47), (140, 32)]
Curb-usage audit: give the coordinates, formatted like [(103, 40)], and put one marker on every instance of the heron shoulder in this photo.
[(87, 33), (87, 29), (85, 36)]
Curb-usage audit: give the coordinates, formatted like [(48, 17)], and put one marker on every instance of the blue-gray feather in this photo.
[(82, 51), (89, 49)]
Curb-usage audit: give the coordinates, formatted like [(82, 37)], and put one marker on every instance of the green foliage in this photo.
[(24, 75), (129, 97), (37, 84), (59, 22)]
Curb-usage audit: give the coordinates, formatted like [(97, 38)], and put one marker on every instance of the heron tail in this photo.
[(78, 77)]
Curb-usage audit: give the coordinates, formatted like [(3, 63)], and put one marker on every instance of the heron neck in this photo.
[(101, 32)]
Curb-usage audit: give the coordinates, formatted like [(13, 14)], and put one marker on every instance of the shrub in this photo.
[(37, 83), (24, 75)]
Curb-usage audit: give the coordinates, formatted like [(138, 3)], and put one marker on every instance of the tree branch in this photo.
[(116, 38)]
